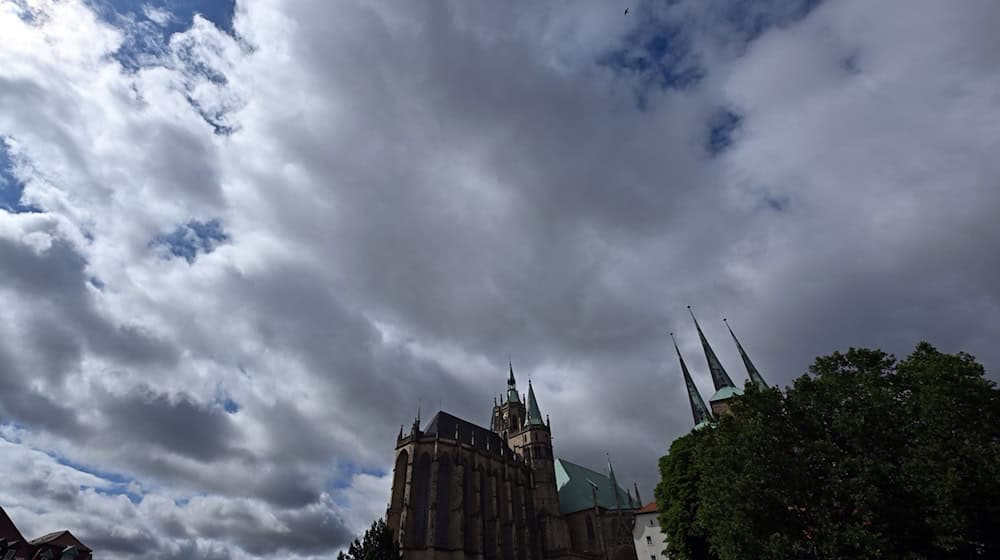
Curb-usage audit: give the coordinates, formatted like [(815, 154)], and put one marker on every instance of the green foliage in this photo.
[(865, 457), (376, 544), (677, 494)]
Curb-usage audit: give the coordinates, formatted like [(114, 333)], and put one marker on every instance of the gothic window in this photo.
[(421, 503), (443, 504), (489, 512), (590, 529), (399, 480), (469, 500)]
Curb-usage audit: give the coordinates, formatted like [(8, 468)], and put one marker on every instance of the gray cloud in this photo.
[(414, 194)]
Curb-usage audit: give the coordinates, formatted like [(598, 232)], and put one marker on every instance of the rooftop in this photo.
[(576, 486)]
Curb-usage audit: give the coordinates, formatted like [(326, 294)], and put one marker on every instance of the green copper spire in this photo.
[(512, 386), (752, 372), (614, 482), (699, 411), (719, 376), (534, 417)]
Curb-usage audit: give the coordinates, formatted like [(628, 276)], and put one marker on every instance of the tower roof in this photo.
[(719, 376), (699, 411), (534, 416), (752, 372), (512, 386)]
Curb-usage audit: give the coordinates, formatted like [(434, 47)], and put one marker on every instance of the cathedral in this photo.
[(462, 491)]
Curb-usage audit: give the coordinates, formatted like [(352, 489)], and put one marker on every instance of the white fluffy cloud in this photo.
[(256, 252)]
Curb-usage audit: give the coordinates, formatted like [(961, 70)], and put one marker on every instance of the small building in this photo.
[(649, 538), (60, 545)]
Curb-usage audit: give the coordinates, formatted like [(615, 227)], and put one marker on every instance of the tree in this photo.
[(864, 457), (376, 544), (677, 493)]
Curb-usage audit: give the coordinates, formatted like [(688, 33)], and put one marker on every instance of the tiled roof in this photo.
[(648, 508)]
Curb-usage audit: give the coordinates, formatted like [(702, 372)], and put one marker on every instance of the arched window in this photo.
[(443, 503), (488, 508), (420, 499), (399, 481), (471, 525), (590, 529)]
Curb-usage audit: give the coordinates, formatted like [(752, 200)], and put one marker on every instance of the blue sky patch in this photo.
[(347, 470), (721, 127), (657, 56), (148, 24), (230, 406), (112, 478), (11, 188), (749, 19), (192, 238), (659, 53)]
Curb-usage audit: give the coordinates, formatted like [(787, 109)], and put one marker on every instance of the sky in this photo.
[(242, 242)]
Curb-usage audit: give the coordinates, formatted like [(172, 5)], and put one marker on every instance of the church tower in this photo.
[(725, 389), (752, 372), (508, 416), (699, 411), (521, 425)]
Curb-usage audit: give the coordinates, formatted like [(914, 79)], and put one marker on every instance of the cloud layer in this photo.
[(238, 256)]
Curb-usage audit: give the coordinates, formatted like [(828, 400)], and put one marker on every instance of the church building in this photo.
[(725, 389), (461, 491)]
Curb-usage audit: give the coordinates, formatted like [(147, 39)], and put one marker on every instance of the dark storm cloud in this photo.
[(173, 422)]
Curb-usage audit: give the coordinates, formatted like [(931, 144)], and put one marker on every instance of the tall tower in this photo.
[(725, 389), (699, 411), (534, 443), (508, 416), (752, 372), (525, 432)]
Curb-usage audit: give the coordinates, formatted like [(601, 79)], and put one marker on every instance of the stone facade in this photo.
[(461, 491)]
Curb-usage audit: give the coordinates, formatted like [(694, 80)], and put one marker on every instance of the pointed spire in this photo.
[(512, 386), (534, 416), (637, 498), (400, 436), (752, 372), (719, 376), (699, 411), (614, 482)]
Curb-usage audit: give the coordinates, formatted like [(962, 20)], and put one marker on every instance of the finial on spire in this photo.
[(752, 372), (512, 385)]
